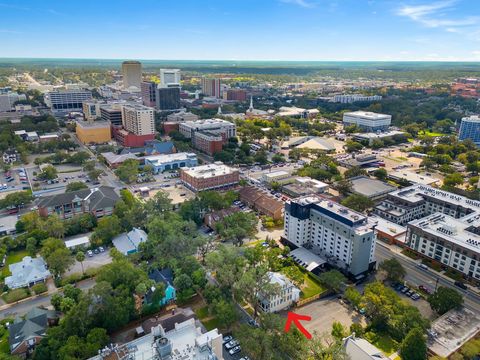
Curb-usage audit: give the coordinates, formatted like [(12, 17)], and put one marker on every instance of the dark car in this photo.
[(461, 285), (424, 289)]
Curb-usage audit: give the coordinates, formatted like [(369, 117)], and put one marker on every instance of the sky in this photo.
[(321, 30)]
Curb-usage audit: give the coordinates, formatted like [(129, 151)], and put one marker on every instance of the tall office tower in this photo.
[(211, 87), (168, 98), (67, 100), (149, 93), (470, 129), (132, 74), (344, 238), (169, 78), (138, 119)]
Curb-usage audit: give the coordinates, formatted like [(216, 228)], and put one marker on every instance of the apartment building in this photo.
[(367, 121), (287, 295), (470, 129), (67, 100), (209, 177), (211, 87), (343, 237), (261, 202), (351, 98), (138, 119), (188, 128), (208, 142), (235, 95)]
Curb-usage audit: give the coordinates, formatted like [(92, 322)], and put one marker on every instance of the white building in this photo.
[(287, 295), (351, 98), (91, 109), (161, 163), (345, 238), (138, 119), (188, 128), (132, 74), (368, 121), (361, 349), (8, 100), (170, 78), (67, 100), (182, 116)]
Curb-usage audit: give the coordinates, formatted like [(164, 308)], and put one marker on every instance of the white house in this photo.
[(27, 272), (288, 294)]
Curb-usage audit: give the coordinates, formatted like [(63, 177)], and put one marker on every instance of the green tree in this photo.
[(16, 199), (80, 257), (380, 174), (414, 346), (333, 279), (49, 172), (338, 331), (278, 158), (344, 186), (353, 296), (237, 227), (54, 226), (75, 186), (453, 179), (128, 171), (357, 202), (445, 299), (354, 171), (225, 313), (107, 228), (56, 255), (394, 270)]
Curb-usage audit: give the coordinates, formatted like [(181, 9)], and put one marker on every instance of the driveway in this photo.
[(97, 260)]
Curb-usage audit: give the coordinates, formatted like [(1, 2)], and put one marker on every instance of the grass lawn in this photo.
[(383, 342), (208, 321), (433, 134), (13, 257), (211, 324), (202, 312), (311, 286)]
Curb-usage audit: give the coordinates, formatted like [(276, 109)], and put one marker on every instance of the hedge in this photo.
[(16, 295), (39, 288)]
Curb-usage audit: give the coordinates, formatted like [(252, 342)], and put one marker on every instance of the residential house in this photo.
[(24, 335), (27, 272), (287, 294), (211, 219), (96, 201), (164, 276), (11, 156), (127, 243), (361, 349)]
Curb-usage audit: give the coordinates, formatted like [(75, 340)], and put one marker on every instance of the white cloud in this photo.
[(301, 3), (434, 15)]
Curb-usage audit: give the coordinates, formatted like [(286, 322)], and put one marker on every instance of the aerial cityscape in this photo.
[(216, 180)]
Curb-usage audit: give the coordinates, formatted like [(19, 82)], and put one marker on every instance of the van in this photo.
[(423, 266)]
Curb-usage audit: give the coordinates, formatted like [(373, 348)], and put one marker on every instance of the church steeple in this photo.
[(250, 109), (219, 112)]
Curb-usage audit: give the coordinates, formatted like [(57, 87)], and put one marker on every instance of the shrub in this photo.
[(16, 295), (39, 288)]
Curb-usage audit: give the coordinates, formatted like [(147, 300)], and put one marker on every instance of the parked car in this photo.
[(425, 289), (405, 289), (235, 350), (96, 251), (409, 293), (231, 344), (423, 266), (101, 249), (415, 296), (90, 253), (227, 339), (245, 358), (461, 285)]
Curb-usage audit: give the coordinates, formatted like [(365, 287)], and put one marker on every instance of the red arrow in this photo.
[(296, 318)]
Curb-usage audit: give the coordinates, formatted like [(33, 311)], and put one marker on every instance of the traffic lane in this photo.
[(417, 276)]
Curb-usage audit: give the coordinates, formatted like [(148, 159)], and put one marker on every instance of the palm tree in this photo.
[(80, 257)]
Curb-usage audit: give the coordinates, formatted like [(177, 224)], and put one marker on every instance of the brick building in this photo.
[(261, 202), (236, 95), (210, 176), (208, 142)]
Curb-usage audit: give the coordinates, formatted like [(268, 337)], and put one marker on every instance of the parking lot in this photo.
[(13, 180), (227, 356), (96, 260)]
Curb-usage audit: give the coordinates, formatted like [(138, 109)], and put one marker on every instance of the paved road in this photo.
[(22, 308), (417, 276)]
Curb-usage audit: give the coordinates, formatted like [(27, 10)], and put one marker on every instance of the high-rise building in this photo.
[(91, 110), (67, 100), (132, 74), (112, 113), (7, 100), (235, 95), (211, 87), (169, 78), (368, 121), (149, 93), (342, 237), (470, 129), (138, 119), (168, 98)]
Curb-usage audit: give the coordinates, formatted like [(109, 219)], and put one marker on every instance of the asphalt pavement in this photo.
[(417, 276)]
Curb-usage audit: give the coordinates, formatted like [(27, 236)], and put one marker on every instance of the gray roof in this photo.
[(360, 349), (101, 197), (27, 271), (370, 187), (35, 324), (128, 242)]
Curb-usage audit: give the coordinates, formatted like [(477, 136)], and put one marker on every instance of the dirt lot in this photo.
[(325, 312), (177, 193)]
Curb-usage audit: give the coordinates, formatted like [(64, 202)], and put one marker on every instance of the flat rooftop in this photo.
[(166, 158), (209, 170), (306, 259), (207, 122), (367, 115), (93, 125), (412, 177), (457, 231), (370, 187), (449, 332), (379, 135)]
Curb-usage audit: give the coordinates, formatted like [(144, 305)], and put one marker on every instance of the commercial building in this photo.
[(149, 93), (294, 111), (182, 116), (208, 142), (10, 156), (318, 143), (288, 294), (470, 129), (209, 177), (343, 237), (351, 98), (67, 100), (188, 128), (96, 201), (371, 188), (170, 78), (167, 98), (26, 273), (211, 87), (112, 113), (91, 110), (8, 100), (235, 95), (372, 136), (412, 177), (261, 202), (368, 121), (280, 176), (138, 119), (114, 160), (48, 137), (98, 132), (132, 74), (175, 340), (389, 232), (304, 186), (161, 163)]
